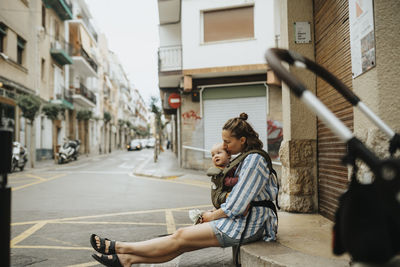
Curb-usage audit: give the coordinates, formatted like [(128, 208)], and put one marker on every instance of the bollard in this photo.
[(5, 196)]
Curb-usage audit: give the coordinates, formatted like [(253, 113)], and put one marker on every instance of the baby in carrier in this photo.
[(220, 187)]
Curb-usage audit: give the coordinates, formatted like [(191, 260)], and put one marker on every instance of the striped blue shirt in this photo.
[(255, 183)]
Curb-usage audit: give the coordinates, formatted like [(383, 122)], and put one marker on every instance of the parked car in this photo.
[(134, 145), (150, 143)]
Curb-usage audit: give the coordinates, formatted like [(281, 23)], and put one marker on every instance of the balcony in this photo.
[(170, 58), (64, 98), (84, 97), (61, 51), (62, 7), (84, 63)]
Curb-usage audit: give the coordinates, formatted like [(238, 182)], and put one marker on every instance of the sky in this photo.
[(131, 28)]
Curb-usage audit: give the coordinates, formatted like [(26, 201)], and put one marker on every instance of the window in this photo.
[(20, 49), (43, 16), (3, 34), (228, 24)]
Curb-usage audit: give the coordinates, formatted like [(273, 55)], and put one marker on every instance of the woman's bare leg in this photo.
[(168, 247)]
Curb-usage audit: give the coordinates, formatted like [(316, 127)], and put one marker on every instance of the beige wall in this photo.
[(379, 88), (298, 152), (23, 26), (299, 122)]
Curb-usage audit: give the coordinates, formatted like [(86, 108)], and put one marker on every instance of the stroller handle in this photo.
[(357, 149), (298, 60)]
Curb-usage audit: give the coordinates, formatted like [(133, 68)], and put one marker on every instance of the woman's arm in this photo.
[(213, 215)]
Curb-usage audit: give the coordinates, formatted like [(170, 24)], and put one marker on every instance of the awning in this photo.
[(85, 39)]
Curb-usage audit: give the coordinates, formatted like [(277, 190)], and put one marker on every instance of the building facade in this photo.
[(212, 55), (312, 174), (55, 53)]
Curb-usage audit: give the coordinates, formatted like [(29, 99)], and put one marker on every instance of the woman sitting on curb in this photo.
[(220, 228)]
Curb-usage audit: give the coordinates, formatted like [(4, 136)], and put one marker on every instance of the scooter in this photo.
[(19, 156), (68, 151)]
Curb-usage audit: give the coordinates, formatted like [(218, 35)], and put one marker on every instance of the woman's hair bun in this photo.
[(243, 116)]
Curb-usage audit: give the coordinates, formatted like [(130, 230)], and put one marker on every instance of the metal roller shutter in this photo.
[(332, 50), (218, 110)]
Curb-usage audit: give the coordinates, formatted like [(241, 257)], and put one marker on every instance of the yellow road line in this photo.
[(55, 247), (110, 215), (87, 264), (37, 182), (37, 177), (123, 223), (26, 233), (169, 218)]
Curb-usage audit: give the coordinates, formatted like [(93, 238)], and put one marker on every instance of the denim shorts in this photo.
[(226, 241)]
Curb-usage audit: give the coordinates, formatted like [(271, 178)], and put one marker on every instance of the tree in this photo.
[(52, 111), (83, 116), (107, 118), (30, 106), (156, 109)]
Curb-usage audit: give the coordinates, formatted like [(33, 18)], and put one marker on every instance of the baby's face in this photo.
[(219, 156)]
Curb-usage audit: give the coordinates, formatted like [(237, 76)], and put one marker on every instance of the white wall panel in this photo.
[(218, 111), (226, 53)]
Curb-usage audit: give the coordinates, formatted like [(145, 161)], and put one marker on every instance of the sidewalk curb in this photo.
[(83, 158), (139, 172)]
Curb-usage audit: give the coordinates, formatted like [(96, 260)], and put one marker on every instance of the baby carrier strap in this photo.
[(263, 203), (242, 156)]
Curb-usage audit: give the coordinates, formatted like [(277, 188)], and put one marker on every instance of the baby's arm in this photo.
[(230, 181)]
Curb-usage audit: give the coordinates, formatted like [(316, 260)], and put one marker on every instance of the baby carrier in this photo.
[(367, 222), (219, 192)]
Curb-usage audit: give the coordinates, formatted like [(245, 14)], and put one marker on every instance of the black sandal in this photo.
[(113, 262), (102, 248)]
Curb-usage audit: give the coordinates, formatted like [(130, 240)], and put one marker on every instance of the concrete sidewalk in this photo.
[(303, 239)]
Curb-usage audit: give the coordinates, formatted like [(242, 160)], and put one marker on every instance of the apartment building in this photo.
[(212, 54), (18, 61)]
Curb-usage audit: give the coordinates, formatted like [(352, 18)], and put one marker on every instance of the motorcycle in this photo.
[(68, 151), (19, 156)]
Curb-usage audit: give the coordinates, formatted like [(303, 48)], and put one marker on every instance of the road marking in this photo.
[(169, 218), (110, 215), (122, 223), (42, 180), (54, 247), (87, 264), (173, 180), (26, 233), (36, 177)]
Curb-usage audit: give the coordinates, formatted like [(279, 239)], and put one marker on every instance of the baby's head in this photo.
[(220, 156)]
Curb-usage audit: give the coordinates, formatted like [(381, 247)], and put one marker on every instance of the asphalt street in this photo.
[(54, 210)]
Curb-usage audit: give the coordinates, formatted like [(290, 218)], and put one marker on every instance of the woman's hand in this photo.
[(207, 216)]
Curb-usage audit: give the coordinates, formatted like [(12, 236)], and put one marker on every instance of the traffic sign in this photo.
[(174, 100)]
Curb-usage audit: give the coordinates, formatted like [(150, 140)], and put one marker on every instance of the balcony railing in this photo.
[(63, 8), (61, 52), (82, 53), (170, 58), (83, 91)]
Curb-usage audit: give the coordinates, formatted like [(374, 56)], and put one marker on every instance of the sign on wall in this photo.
[(362, 36), (302, 32)]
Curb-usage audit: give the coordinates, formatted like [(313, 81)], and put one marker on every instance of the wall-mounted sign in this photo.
[(174, 100), (302, 32), (362, 36)]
